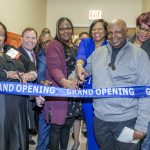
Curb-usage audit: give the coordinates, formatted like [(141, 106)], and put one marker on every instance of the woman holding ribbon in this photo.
[(60, 60), (98, 37), (14, 67)]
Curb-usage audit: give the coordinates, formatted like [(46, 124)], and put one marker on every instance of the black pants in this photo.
[(59, 135), (106, 134)]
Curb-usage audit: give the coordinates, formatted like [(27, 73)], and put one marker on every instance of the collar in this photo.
[(110, 48)]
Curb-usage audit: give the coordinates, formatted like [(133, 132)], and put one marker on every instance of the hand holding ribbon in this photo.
[(68, 84), (81, 73), (30, 76)]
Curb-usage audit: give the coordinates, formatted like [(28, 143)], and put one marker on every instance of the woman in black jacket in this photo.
[(13, 124)]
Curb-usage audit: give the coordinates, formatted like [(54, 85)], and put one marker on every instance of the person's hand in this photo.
[(138, 135), (46, 82), (12, 75), (40, 101), (25, 77), (75, 81), (68, 84), (81, 73), (30, 76)]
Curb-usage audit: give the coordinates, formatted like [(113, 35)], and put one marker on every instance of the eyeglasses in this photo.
[(144, 29), (28, 37), (67, 28), (2, 35)]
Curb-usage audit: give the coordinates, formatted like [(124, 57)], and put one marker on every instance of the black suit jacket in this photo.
[(22, 50), (30, 98)]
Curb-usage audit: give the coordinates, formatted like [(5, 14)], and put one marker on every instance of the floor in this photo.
[(81, 147)]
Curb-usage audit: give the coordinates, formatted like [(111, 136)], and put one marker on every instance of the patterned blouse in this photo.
[(74, 105)]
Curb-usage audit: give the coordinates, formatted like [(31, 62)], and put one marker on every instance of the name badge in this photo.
[(14, 54)]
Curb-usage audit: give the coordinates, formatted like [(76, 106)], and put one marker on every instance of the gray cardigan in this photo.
[(132, 69)]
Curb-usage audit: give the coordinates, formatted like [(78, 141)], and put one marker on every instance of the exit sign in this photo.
[(95, 14)]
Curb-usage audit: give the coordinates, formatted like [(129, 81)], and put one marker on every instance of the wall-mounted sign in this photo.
[(95, 14)]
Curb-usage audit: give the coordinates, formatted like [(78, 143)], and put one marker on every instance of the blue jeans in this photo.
[(146, 143), (106, 134), (43, 133)]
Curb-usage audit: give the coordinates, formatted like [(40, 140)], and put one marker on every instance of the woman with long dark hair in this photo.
[(60, 61)]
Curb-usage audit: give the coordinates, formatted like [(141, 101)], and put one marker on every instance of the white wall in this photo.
[(19, 14), (145, 5), (77, 11)]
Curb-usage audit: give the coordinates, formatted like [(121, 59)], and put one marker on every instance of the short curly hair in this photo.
[(143, 18)]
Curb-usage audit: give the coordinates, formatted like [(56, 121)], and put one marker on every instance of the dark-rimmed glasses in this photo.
[(67, 28), (144, 29)]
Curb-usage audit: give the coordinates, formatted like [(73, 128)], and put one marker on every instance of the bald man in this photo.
[(119, 64)]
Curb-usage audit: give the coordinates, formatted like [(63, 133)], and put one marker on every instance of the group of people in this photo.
[(106, 58), (14, 67), (119, 63)]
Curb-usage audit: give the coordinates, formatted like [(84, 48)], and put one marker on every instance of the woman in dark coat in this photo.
[(13, 124), (141, 38)]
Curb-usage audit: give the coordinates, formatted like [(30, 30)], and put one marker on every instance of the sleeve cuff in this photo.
[(6, 73), (140, 128)]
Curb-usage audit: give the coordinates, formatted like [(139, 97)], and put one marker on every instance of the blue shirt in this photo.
[(41, 68), (86, 48)]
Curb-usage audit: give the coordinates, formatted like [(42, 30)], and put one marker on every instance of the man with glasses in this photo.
[(141, 38)]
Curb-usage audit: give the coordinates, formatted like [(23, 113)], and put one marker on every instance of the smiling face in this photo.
[(117, 33), (142, 33), (142, 28), (98, 32), (29, 40), (65, 31)]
